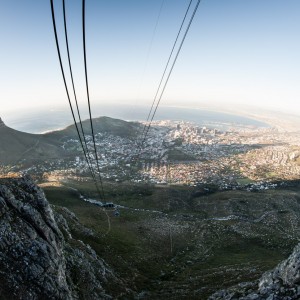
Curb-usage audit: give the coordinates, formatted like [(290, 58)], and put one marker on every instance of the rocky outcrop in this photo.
[(39, 259), (282, 283)]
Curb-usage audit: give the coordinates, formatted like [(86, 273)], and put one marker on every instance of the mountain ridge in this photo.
[(16, 145)]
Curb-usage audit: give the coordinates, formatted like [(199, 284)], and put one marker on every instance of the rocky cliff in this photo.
[(282, 283), (39, 258)]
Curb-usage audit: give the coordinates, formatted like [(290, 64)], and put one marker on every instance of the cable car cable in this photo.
[(171, 69), (167, 64), (67, 91), (88, 95), (72, 80)]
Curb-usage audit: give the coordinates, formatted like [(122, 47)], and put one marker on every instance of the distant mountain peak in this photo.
[(1, 122)]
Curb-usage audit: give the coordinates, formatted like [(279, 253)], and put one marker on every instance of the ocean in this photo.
[(44, 120)]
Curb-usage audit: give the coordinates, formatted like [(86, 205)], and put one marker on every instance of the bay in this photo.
[(43, 120)]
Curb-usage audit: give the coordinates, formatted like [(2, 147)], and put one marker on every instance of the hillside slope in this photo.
[(16, 146), (39, 258), (101, 125), (174, 242), (281, 283)]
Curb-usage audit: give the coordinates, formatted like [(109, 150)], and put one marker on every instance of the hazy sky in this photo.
[(237, 51)]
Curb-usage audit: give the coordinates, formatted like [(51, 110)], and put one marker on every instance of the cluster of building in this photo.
[(184, 153), (238, 156)]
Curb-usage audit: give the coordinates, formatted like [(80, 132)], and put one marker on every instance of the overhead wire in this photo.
[(151, 117), (75, 96), (90, 113), (72, 79), (88, 96), (167, 64), (173, 64), (68, 96)]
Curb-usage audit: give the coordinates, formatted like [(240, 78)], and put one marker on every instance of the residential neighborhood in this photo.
[(183, 153)]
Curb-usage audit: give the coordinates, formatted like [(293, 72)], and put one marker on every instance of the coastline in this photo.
[(51, 120)]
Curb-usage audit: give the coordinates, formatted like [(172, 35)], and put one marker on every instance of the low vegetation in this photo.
[(174, 241)]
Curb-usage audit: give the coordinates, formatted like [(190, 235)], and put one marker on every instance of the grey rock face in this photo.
[(282, 283), (37, 261), (31, 245), (284, 280)]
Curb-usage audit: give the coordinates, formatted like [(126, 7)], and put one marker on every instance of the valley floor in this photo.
[(171, 241)]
